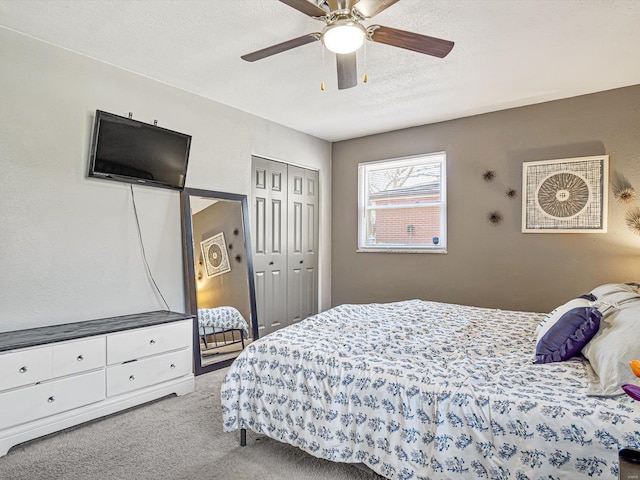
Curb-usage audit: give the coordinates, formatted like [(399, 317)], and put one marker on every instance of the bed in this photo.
[(425, 390), (221, 326)]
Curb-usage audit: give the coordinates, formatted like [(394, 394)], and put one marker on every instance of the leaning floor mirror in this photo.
[(218, 276)]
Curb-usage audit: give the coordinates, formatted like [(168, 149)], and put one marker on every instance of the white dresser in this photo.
[(55, 377)]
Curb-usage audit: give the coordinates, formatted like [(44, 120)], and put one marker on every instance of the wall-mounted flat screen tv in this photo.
[(127, 150)]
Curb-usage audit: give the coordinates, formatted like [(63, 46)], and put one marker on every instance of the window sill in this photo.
[(402, 250)]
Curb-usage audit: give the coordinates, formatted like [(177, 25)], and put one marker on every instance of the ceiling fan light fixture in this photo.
[(343, 36)]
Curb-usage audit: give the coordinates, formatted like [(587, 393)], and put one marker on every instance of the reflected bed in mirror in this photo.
[(218, 276)]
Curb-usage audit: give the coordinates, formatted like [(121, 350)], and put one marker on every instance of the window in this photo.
[(402, 205)]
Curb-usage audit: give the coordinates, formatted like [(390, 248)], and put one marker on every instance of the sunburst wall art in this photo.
[(565, 196), (216, 258)]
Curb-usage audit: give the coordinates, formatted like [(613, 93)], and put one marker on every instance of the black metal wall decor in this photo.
[(489, 175), (494, 217)]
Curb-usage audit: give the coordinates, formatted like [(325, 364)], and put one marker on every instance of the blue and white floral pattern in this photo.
[(428, 391), (222, 319)]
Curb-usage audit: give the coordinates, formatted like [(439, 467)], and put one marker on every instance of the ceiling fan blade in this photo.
[(306, 7), (339, 4), (369, 8), (281, 47), (347, 70), (411, 41)]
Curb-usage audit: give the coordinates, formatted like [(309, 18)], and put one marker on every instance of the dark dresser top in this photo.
[(69, 331)]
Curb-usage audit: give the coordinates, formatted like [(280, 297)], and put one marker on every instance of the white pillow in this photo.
[(612, 348), (609, 288)]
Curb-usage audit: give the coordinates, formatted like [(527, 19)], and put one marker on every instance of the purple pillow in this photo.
[(569, 335)]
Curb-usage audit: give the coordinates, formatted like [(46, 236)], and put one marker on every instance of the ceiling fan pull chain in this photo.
[(364, 61), (322, 83)]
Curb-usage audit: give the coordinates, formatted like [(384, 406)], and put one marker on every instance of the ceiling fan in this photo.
[(344, 34)]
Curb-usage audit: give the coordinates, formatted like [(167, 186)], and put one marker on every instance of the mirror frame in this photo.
[(190, 273)]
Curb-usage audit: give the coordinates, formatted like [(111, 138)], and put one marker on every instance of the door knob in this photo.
[(270, 263), (301, 262)]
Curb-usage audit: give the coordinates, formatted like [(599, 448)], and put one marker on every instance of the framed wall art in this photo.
[(216, 257), (568, 195)]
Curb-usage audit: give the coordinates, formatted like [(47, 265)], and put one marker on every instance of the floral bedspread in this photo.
[(427, 391), (221, 319)]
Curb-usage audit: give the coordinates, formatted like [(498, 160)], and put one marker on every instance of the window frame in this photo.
[(363, 171)]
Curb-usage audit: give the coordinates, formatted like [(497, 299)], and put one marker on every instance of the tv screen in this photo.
[(127, 150)]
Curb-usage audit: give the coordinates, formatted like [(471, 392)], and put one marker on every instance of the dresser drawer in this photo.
[(25, 367), (149, 371), (79, 356), (144, 342), (45, 399)]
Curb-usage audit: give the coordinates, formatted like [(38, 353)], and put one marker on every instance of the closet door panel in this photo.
[(296, 241), (295, 307), (310, 243), (269, 199), (258, 212), (277, 299), (261, 301), (309, 289), (276, 243)]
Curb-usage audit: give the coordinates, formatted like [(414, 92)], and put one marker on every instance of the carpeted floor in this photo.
[(172, 438)]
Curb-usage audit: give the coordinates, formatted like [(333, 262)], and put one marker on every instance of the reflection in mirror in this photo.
[(218, 276)]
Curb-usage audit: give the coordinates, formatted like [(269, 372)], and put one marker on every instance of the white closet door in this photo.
[(302, 255), (284, 232), (311, 242), (269, 238)]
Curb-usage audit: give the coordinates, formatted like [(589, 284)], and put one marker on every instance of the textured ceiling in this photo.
[(508, 53)]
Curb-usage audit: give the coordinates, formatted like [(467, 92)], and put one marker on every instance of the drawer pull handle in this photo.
[(51, 399), (152, 342), (132, 378), (173, 365), (80, 358), (23, 369)]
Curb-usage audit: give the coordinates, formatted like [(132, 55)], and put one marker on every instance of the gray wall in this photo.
[(68, 244), (495, 266)]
